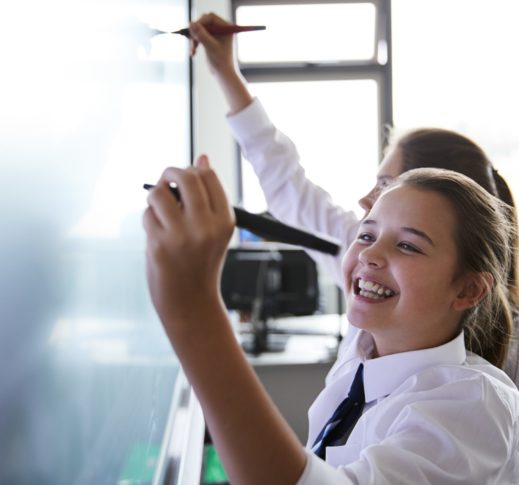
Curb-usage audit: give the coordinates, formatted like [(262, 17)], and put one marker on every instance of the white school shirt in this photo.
[(439, 416), (291, 197)]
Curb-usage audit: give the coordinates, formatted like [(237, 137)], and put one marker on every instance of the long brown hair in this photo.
[(440, 148), (483, 236)]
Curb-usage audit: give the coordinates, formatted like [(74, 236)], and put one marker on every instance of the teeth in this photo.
[(373, 290)]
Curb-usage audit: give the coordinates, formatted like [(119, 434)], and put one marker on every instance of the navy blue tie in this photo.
[(336, 431)]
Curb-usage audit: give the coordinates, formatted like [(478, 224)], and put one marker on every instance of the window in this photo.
[(299, 32), (322, 71)]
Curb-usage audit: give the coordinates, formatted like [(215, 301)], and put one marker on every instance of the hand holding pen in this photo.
[(187, 241), (218, 47), (220, 58), (224, 29)]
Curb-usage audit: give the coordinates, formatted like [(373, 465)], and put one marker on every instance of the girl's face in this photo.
[(400, 272), (390, 168)]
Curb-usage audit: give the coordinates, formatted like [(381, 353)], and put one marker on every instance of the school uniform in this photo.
[(441, 415)]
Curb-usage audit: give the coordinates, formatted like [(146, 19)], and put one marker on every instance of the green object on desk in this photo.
[(213, 468)]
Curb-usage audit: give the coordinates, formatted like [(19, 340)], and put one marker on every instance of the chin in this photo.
[(362, 321)]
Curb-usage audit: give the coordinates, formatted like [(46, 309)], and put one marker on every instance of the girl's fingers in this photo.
[(202, 162), (200, 35), (192, 190), (212, 19), (216, 194), (194, 46), (150, 222), (198, 30), (201, 193), (163, 204)]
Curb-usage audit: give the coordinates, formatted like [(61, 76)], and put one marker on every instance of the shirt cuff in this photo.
[(318, 471), (249, 122)]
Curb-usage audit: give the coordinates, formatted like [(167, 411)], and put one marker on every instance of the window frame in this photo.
[(371, 69)]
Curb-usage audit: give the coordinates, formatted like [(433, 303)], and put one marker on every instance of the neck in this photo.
[(388, 346)]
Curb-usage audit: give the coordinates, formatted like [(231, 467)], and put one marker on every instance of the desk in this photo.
[(308, 339)]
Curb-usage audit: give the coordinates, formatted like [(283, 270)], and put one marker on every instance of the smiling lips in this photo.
[(371, 289)]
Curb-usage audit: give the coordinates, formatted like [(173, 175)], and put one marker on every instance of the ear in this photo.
[(475, 287)]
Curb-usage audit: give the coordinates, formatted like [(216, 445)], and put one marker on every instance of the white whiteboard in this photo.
[(91, 108)]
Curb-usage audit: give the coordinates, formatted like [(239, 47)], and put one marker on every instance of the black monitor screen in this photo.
[(284, 281)]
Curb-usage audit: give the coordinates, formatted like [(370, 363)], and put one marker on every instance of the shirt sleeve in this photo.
[(291, 197), (317, 472)]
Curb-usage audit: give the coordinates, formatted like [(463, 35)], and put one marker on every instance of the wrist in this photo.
[(194, 318), (235, 90)]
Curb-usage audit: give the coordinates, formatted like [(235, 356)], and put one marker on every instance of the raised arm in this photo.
[(290, 195), (220, 56), (186, 243)]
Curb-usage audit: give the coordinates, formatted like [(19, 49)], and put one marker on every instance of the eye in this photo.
[(382, 183), (365, 237), (409, 247)]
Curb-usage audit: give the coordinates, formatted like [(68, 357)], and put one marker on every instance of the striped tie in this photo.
[(336, 431)]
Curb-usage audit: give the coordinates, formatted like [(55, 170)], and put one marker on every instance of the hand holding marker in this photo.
[(274, 230)]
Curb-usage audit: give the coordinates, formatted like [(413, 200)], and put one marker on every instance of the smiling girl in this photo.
[(425, 282)]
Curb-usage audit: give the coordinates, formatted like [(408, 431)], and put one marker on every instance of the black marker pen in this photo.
[(274, 230)]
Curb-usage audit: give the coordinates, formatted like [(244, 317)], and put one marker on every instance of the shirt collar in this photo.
[(383, 375)]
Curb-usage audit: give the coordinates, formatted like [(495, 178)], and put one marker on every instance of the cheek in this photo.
[(349, 261), (428, 293)]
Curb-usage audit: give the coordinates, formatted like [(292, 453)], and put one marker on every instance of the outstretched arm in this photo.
[(186, 244), (220, 56), (290, 195)]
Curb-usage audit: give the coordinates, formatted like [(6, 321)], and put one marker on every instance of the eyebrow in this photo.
[(412, 230)]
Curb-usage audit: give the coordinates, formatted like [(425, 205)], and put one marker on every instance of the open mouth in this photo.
[(372, 289)]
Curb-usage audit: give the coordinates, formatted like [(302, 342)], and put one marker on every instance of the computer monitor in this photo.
[(268, 282)]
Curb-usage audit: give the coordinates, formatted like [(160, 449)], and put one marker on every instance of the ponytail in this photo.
[(489, 326), (505, 194)]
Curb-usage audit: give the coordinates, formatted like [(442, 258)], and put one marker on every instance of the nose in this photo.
[(366, 202), (373, 256)]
